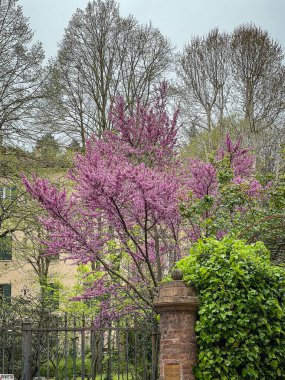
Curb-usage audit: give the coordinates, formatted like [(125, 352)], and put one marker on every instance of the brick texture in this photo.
[(177, 305)]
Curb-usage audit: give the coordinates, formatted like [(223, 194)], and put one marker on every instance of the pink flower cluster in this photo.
[(241, 161)]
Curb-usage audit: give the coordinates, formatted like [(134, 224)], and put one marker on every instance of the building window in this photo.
[(6, 247), (5, 293)]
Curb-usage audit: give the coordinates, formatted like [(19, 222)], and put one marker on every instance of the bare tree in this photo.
[(235, 82), (259, 75), (203, 73), (20, 71), (259, 79), (102, 55)]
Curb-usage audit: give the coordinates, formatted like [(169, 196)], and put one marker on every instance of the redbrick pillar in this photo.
[(177, 305)]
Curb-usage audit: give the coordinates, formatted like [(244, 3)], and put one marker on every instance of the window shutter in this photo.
[(7, 292), (6, 248)]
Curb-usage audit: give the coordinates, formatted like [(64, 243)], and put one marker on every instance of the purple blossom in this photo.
[(202, 178), (254, 189), (241, 161)]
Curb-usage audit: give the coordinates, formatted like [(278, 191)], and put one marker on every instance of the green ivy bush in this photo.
[(241, 320)]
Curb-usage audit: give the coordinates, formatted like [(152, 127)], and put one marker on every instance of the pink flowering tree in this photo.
[(121, 212), (225, 197)]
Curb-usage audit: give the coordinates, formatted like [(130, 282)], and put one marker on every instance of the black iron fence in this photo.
[(74, 349)]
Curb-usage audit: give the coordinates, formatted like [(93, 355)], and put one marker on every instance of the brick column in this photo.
[(177, 304)]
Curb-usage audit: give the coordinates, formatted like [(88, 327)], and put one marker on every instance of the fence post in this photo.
[(177, 304), (154, 345), (27, 350)]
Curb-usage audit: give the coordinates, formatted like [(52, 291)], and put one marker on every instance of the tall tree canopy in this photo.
[(101, 56), (20, 73)]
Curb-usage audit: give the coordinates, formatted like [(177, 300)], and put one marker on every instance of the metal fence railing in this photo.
[(70, 349)]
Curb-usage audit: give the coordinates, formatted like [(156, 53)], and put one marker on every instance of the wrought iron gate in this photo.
[(74, 350)]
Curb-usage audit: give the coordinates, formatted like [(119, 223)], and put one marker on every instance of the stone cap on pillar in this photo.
[(175, 296)]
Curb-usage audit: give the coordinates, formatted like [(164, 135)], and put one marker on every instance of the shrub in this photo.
[(241, 321), (65, 368)]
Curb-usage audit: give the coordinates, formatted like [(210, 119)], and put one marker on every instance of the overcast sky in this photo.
[(177, 19)]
